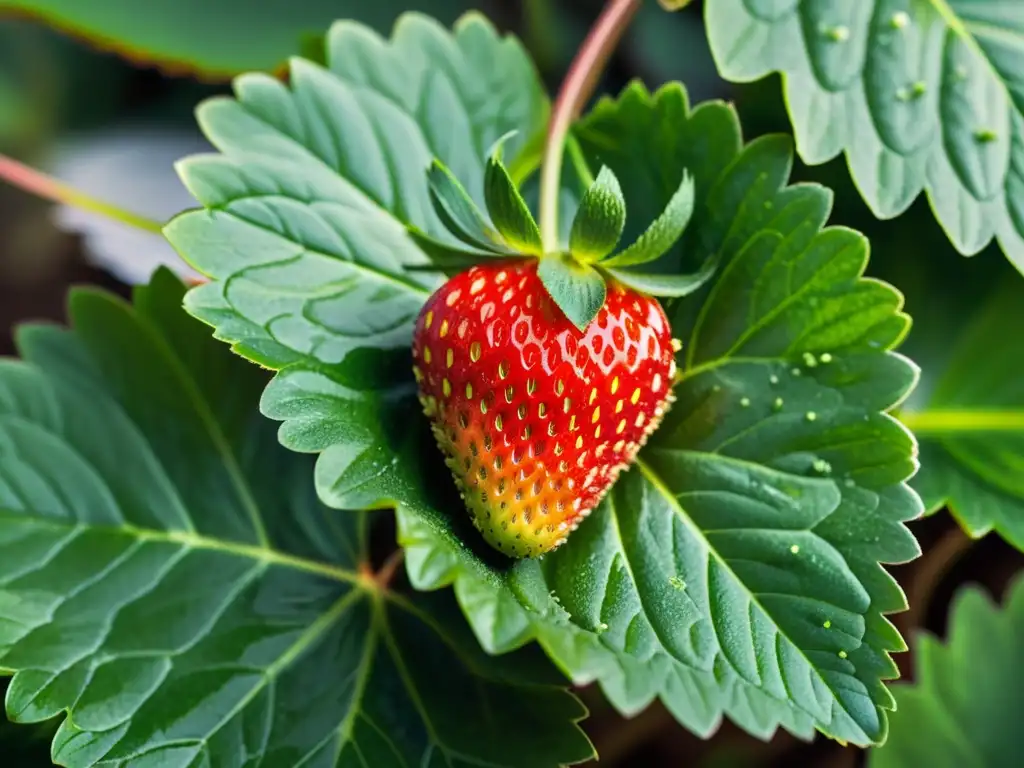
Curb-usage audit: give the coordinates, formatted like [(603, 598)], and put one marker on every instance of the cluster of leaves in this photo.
[(175, 558), (743, 552)]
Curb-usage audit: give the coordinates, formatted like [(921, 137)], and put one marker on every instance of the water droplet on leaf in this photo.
[(899, 20)]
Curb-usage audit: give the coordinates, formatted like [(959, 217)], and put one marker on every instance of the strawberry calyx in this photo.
[(577, 277)]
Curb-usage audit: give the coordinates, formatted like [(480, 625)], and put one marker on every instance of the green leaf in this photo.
[(507, 208), (599, 220), (201, 37), (664, 231), (963, 707), (674, 286), (920, 96), (457, 210), (777, 441), (305, 234), (690, 562), (697, 699), (578, 289), (971, 426), (168, 577)]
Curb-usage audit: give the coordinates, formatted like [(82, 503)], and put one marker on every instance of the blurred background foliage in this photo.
[(110, 118)]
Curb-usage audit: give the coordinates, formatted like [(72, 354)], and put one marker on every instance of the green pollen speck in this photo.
[(811, 416), (842, 654), (745, 402), (827, 624)]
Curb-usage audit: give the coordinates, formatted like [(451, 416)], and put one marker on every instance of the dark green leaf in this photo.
[(196, 36), (963, 707), (599, 220), (457, 210), (696, 698), (306, 237), (507, 208), (675, 286), (169, 577), (920, 96), (578, 289), (663, 233), (971, 426), (776, 441)]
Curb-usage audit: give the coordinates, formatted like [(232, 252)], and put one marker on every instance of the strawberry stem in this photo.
[(49, 188), (576, 89)]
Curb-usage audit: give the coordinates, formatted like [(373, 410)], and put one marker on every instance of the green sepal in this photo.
[(664, 231), (599, 220), (578, 289), (669, 286), (446, 258), (507, 208), (457, 211)]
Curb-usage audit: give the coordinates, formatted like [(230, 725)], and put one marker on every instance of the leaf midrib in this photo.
[(653, 478), (196, 541), (937, 422), (216, 433)]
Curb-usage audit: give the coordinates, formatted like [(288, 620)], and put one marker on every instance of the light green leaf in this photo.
[(507, 208), (578, 289), (197, 36), (778, 439), (663, 233), (309, 201), (599, 220), (971, 426), (963, 707), (919, 95), (169, 578)]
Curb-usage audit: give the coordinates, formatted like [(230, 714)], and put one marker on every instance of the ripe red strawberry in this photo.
[(537, 418)]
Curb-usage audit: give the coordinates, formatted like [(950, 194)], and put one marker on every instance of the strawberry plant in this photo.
[(483, 403)]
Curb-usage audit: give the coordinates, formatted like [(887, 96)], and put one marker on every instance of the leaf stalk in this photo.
[(49, 188), (576, 89)]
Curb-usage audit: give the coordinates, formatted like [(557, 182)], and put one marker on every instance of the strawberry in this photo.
[(536, 417)]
